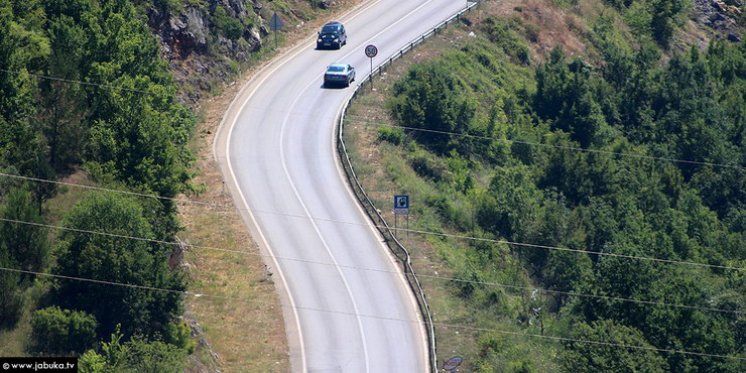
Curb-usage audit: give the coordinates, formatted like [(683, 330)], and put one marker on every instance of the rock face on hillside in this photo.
[(721, 16), (205, 41)]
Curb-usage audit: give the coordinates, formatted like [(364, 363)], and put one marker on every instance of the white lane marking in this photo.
[(235, 180), (308, 213), (283, 61), (387, 252), (318, 231)]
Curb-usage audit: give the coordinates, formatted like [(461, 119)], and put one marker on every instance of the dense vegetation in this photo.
[(578, 154), (124, 126)]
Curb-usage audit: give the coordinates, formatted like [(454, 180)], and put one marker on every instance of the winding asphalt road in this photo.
[(276, 149)]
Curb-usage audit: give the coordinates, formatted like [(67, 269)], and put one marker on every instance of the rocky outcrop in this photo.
[(205, 41), (720, 16), (185, 34), (199, 53)]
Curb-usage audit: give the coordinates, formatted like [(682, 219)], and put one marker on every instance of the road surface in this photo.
[(277, 153)]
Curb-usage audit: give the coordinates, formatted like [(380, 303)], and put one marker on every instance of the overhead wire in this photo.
[(570, 148), (563, 339), (73, 81), (407, 230), (563, 147), (378, 317), (308, 261), (180, 200)]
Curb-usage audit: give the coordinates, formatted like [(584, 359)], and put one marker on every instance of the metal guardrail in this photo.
[(394, 244)]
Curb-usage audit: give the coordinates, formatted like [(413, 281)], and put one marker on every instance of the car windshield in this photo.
[(335, 69), (329, 29)]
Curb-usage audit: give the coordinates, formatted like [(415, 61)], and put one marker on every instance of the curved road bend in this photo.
[(277, 153)]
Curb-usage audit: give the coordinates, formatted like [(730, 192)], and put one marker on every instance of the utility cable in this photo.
[(243, 252), (376, 317), (463, 237), (73, 81), (564, 147)]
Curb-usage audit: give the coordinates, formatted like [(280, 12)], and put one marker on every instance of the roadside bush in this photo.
[(62, 332), (25, 245), (11, 301), (431, 97), (392, 135), (136, 355), (228, 26), (105, 258)]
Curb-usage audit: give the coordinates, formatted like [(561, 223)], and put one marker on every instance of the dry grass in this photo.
[(550, 25), (246, 332), (374, 160), (380, 164)]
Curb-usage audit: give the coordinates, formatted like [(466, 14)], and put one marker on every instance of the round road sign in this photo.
[(371, 51)]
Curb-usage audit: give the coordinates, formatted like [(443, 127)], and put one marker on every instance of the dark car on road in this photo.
[(332, 35), (339, 74)]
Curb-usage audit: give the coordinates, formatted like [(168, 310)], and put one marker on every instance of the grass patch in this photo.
[(390, 163)]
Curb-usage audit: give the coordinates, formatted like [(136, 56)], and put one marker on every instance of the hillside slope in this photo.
[(576, 182)]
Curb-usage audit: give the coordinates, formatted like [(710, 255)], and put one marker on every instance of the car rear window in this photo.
[(335, 69), (330, 28)]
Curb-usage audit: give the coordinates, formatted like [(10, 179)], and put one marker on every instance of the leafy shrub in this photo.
[(430, 97), (58, 331), (11, 299), (140, 312), (231, 27), (136, 355), (391, 134)]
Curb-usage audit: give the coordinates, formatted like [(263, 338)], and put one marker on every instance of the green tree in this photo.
[(62, 332), (11, 301), (432, 99), (25, 244), (589, 357), (511, 204), (20, 48), (133, 356), (65, 129), (665, 17), (116, 259)]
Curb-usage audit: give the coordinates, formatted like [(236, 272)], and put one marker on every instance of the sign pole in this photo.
[(371, 51), (275, 24), (401, 207), (396, 222)]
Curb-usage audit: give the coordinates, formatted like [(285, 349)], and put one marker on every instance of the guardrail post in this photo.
[(394, 245)]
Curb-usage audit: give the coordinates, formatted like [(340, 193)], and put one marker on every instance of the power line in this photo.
[(535, 246), (455, 236), (571, 148), (102, 189), (589, 252), (564, 147), (377, 317), (464, 237), (629, 300), (73, 81)]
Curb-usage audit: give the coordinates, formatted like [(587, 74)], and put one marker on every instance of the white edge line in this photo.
[(265, 70), (283, 59), (381, 241), (407, 290), (316, 227)]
